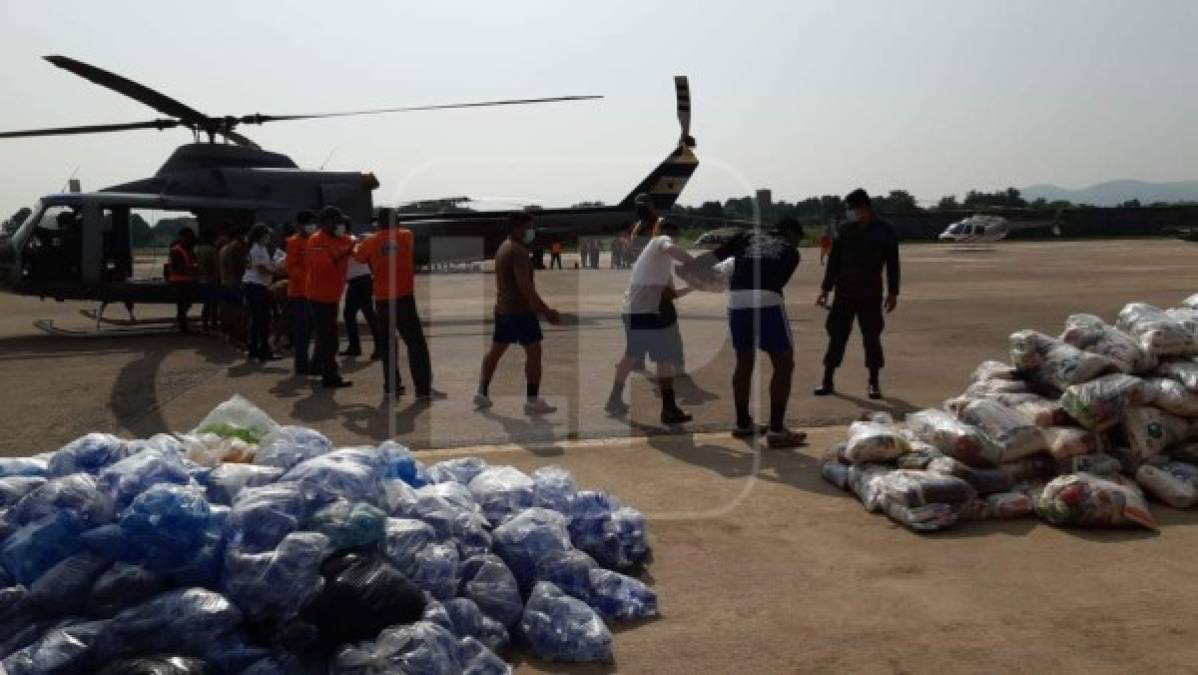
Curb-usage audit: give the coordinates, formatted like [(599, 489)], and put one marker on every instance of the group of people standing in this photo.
[(300, 288), (758, 266), (323, 263)]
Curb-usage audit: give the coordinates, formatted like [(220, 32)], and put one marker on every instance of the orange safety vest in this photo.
[(187, 274)]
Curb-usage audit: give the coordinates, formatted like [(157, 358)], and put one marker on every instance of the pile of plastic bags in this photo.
[(250, 547), (1079, 429)]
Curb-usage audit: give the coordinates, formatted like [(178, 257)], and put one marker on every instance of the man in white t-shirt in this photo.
[(255, 285), (648, 330), (359, 297)]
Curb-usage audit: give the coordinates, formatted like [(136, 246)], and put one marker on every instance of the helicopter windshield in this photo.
[(12, 224)]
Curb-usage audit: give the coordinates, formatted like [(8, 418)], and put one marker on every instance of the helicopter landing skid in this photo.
[(47, 326)]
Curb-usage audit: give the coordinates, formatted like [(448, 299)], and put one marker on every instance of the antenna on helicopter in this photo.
[(180, 115), (328, 157)]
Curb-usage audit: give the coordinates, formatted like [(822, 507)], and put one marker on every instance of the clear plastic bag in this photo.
[(121, 586), (1098, 463), (953, 437), (865, 481), (470, 622), (554, 488), (131, 476), (27, 553), (67, 648), (420, 647), (226, 481), (275, 585), (1054, 363), (1087, 500), (1064, 442), (999, 506), (561, 628), (1158, 333), (436, 570), (287, 446), (348, 525), (502, 492), (401, 463), (1174, 483), (78, 493), (87, 454), (453, 516), (570, 571), (403, 539), (1088, 332), (476, 659), (618, 597), (63, 589), (213, 450), (23, 466), (262, 516), (920, 488), (522, 541), (1150, 430), (612, 534), (1099, 404), (187, 621), (874, 442), (353, 474), (992, 370), (1013, 434), (927, 518), (1172, 396), (1184, 371), (156, 665), (237, 418), (491, 585), (835, 473), (461, 470)]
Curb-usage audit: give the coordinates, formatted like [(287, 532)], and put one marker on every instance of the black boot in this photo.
[(875, 392), (827, 388)]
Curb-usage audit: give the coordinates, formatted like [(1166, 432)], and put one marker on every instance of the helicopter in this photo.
[(989, 228), (77, 245)]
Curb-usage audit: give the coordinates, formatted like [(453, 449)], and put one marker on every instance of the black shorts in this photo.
[(517, 328), (652, 336)]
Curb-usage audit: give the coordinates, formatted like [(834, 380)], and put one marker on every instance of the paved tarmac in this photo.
[(761, 567)]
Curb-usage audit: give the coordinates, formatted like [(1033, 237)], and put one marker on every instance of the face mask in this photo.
[(850, 216), (529, 235), (309, 230), (339, 230)]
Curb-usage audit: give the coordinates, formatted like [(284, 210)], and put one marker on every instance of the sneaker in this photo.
[(538, 406), (875, 392), (482, 402), (431, 395), (675, 416), (336, 384), (785, 439), (751, 431), (825, 389), (616, 407)]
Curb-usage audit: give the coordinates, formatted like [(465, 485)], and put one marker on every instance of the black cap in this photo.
[(331, 214), (857, 198)]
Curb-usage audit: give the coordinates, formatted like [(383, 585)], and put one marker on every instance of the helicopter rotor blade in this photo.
[(92, 129), (158, 101), (262, 119)]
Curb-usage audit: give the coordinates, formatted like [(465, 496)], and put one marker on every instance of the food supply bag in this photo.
[(1174, 483), (1054, 363), (1092, 334), (999, 506), (1091, 501), (873, 442), (953, 437), (1013, 434), (1099, 404), (1158, 333)]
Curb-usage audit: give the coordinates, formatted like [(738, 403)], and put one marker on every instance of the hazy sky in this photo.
[(936, 97)]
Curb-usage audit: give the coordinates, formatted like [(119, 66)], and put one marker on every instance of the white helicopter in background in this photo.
[(987, 229)]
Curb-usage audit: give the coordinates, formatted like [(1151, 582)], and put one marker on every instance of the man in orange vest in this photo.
[(390, 253), (181, 274), (297, 288), (327, 257)]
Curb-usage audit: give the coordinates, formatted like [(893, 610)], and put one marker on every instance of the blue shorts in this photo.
[(517, 328), (649, 335), (765, 328)]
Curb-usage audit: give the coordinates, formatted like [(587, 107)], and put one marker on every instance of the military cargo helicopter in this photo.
[(77, 246)]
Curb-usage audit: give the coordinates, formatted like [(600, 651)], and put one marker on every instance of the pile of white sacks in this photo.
[(1077, 429)]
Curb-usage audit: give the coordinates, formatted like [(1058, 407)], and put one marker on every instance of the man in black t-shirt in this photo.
[(762, 266)]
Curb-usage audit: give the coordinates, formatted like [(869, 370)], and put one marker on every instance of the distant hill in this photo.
[(1115, 192)]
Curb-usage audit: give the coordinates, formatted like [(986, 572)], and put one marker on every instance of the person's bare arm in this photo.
[(528, 288)]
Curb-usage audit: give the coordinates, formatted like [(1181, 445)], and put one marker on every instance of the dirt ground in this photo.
[(760, 565)]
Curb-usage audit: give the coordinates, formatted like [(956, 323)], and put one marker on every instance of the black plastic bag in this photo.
[(123, 585), (362, 595)]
